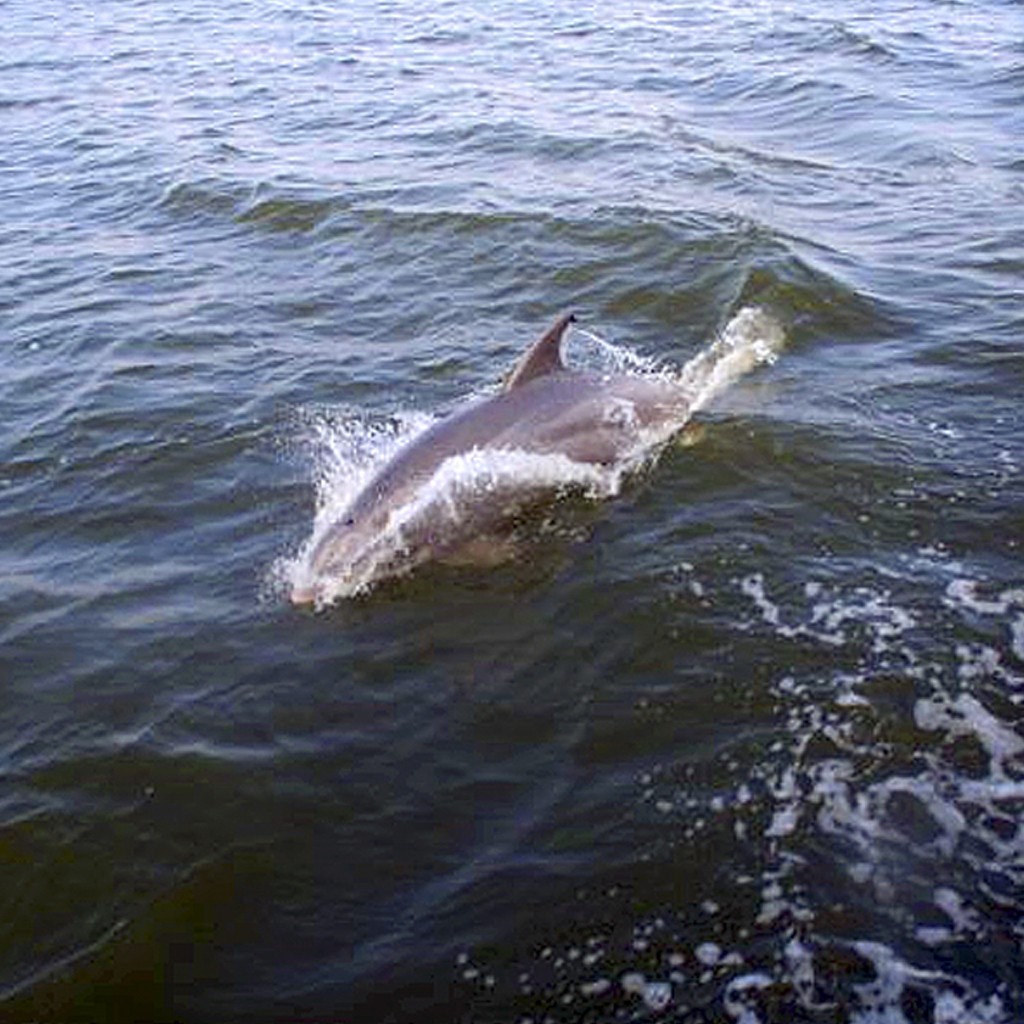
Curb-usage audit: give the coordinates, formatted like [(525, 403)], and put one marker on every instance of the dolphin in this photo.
[(543, 409)]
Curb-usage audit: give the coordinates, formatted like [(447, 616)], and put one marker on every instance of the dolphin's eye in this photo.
[(350, 521)]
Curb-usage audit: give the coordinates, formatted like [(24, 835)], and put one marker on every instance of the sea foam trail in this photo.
[(349, 451)]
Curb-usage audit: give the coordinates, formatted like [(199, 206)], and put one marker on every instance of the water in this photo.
[(743, 743)]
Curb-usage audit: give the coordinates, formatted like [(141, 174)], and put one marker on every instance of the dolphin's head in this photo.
[(344, 558)]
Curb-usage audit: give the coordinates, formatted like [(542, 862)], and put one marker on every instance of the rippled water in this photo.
[(745, 744)]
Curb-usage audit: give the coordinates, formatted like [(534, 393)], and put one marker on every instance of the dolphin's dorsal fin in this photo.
[(544, 356)]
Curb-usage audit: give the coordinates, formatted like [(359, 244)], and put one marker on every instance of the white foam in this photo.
[(1008, 606), (963, 593), (832, 614), (880, 998), (753, 587), (603, 356), (901, 827), (967, 716), (751, 338), (951, 1008), (947, 812), (736, 993), (655, 994), (965, 920)]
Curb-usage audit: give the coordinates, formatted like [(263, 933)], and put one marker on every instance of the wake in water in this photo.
[(454, 490)]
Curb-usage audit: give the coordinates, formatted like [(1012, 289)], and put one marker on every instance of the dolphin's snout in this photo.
[(303, 596)]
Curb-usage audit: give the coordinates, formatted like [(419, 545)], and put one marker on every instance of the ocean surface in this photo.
[(742, 741)]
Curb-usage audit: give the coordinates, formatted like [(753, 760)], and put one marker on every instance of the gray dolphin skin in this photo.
[(544, 408)]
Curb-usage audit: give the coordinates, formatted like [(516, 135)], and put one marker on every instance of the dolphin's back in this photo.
[(543, 409), (588, 418), (599, 420)]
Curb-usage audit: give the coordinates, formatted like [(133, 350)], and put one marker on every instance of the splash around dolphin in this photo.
[(451, 492)]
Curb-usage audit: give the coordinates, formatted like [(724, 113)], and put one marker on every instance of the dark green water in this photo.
[(749, 747)]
